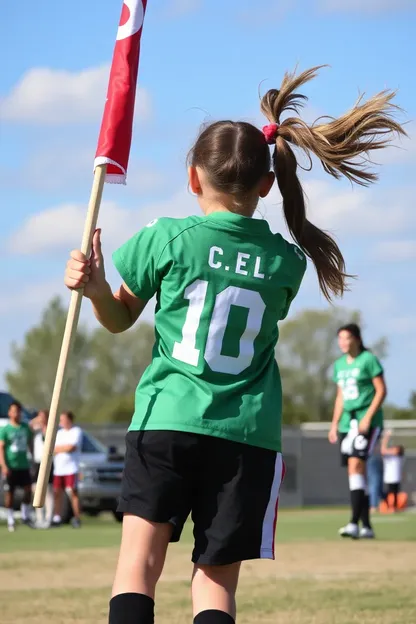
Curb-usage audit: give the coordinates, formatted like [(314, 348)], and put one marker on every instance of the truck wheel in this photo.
[(92, 513)]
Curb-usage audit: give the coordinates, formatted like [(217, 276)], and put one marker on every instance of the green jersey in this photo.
[(355, 379), (222, 284), (16, 441)]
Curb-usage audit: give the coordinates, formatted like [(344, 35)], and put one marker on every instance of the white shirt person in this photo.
[(66, 467)]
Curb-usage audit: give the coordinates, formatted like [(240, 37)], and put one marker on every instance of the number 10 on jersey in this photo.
[(186, 350)]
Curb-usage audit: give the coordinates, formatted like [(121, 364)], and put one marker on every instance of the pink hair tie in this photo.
[(270, 133)]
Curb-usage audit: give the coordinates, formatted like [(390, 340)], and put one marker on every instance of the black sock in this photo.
[(213, 617), (357, 504), (365, 512), (131, 609)]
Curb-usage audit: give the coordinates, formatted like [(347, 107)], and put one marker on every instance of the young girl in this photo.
[(223, 280), (393, 461), (358, 418)]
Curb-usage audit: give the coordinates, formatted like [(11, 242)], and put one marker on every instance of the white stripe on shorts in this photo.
[(269, 522)]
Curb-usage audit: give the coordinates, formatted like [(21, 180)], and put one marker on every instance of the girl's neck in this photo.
[(351, 355), (226, 203)]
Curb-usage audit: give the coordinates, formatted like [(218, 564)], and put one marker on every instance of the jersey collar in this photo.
[(236, 221)]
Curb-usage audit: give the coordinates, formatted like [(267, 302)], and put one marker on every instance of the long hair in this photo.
[(235, 157)]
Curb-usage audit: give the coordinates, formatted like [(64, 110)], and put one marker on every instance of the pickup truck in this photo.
[(99, 477)]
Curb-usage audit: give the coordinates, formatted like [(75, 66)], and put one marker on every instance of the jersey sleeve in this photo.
[(137, 260), (374, 366), (335, 373), (3, 435), (297, 269)]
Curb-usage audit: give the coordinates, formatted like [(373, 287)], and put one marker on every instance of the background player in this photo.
[(15, 446), (393, 461), (66, 467), (358, 418), (222, 281)]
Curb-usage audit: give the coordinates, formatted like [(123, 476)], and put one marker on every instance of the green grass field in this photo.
[(65, 576)]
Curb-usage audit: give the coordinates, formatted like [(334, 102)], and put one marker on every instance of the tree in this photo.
[(117, 409), (35, 362), (103, 370), (306, 352), (412, 402), (117, 363), (391, 412)]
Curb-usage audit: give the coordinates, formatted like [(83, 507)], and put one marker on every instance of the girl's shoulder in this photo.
[(369, 357), (173, 225), (341, 361), (289, 248), (292, 255), (371, 363)]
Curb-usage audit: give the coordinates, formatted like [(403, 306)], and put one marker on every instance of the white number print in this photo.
[(186, 350), (19, 443), (349, 388)]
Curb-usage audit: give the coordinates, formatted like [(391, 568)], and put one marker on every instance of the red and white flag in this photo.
[(116, 129)]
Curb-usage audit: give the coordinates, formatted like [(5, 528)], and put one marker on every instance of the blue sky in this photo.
[(200, 60)]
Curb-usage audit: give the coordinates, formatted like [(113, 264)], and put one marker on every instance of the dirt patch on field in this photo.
[(303, 561)]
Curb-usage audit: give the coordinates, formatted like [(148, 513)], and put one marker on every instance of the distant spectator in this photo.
[(375, 480), (393, 460), (15, 443), (38, 426), (66, 468)]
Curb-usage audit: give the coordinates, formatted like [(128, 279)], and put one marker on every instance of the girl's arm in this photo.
[(119, 311), (3, 465), (65, 448), (384, 448), (381, 393), (116, 312), (34, 424), (338, 408)]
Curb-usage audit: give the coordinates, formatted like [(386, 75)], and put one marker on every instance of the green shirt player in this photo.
[(357, 420), (15, 444), (205, 435)]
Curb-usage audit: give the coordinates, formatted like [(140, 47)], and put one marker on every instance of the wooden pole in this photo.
[(68, 339)]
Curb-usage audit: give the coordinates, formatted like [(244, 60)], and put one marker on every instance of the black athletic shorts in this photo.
[(231, 490), (17, 479), (35, 473), (393, 488), (361, 446)]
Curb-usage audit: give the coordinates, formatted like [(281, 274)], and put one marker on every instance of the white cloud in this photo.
[(61, 227), (32, 296), (54, 97), (351, 214), (366, 6), (402, 151), (254, 14), (278, 11), (395, 251), (54, 168), (175, 8)]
